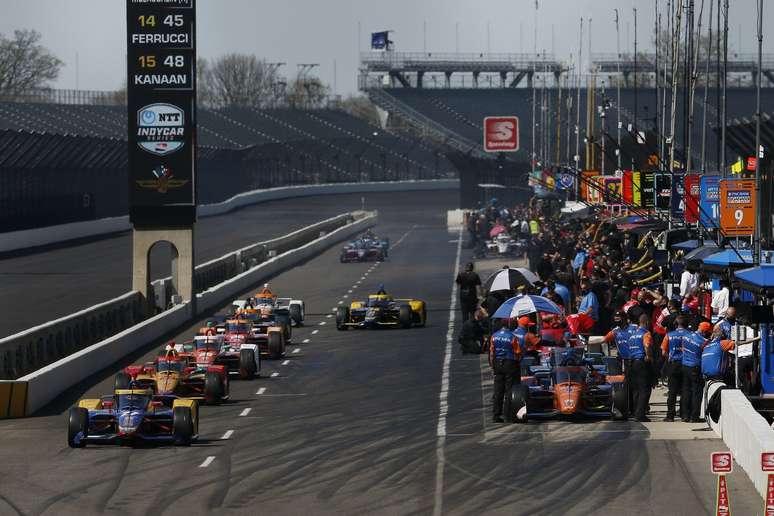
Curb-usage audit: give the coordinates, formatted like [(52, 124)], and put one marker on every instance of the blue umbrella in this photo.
[(525, 305)]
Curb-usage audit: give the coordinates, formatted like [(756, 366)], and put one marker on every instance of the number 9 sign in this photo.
[(737, 207)]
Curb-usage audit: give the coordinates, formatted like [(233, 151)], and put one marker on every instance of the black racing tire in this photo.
[(122, 381), (613, 365), (247, 368), (182, 426), (404, 316), (296, 315), (214, 389), (342, 318), (620, 395), (276, 345), (78, 423), (519, 399)]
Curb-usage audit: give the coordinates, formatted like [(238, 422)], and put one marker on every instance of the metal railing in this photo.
[(401, 59)]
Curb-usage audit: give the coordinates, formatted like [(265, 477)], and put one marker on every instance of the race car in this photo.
[(192, 375), (237, 350), (368, 248), (568, 382), (133, 415), (290, 310), (381, 311)]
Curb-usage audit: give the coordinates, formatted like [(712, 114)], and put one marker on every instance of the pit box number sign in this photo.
[(737, 207), (161, 91)]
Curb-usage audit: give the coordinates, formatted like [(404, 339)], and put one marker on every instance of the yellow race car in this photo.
[(381, 310)]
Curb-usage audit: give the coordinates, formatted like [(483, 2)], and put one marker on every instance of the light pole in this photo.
[(758, 150)]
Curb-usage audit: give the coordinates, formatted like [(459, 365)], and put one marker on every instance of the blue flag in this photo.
[(380, 40)]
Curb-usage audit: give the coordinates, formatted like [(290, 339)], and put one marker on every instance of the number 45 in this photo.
[(174, 20)]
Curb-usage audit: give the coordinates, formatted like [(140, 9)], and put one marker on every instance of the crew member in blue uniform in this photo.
[(716, 356), (505, 350), (693, 382), (641, 354), (672, 351)]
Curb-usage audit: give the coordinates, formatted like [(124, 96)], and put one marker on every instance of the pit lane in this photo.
[(349, 424)]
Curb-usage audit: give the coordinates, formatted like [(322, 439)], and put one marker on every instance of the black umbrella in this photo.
[(510, 279)]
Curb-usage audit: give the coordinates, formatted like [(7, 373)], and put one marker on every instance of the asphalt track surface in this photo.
[(49, 283), (349, 425)]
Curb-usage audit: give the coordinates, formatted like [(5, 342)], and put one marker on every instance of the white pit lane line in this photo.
[(305, 341), (285, 362), (341, 302), (245, 412), (227, 435), (207, 461), (443, 409), (298, 350), (322, 323), (274, 374), (261, 391), (315, 332), (329, 316)]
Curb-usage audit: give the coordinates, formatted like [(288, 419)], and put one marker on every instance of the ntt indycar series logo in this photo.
[(161, 129)]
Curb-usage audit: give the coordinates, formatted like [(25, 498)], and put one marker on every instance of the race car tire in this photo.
[(519, 398), (78, 422), (182, 426), (423, 320), (620, 395), (614, 366), (342, 318), (404, 316), (247, 367), (296, 315), (284, 323), (342, 259), (276, 345), (122, 381), (214, 389)]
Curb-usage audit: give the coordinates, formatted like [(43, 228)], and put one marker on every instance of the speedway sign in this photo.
[(501, 134), (161, 97)]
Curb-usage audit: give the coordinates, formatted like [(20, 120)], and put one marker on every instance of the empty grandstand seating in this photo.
[(240, 149)]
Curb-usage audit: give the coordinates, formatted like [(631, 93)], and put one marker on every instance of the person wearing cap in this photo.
[(528, 341), (469, 284), (728, 321), (505, 350), (672, 351), (693, 381), (640, 343)]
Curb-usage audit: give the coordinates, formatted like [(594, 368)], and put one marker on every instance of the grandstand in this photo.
[(67, 161)]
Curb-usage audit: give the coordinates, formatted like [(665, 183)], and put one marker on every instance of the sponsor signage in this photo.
[(709, 201), (566, 181), (501, 134), (637, 189), (692, 196), (678, 195), (663, 191), (767, 465), (648, 190), (627, 187), (613, 190), (721, 463), (737, 207), (161, 97), (586, 176), (722, 503), (752, 161)]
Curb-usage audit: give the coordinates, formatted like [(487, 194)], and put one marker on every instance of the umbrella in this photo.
[(510, 279), (696, 256), (757, 279), (525, 305), (496, 230)]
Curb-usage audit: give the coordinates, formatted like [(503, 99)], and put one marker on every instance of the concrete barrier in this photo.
[(229, 289), (37, 389), (33, 348), (44, 385), (746, 434), (18, 240)]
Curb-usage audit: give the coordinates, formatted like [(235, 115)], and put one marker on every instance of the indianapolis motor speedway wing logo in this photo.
[(163, 180), (161, 129)]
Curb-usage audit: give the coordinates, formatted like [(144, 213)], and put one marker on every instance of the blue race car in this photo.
[(133, 415)]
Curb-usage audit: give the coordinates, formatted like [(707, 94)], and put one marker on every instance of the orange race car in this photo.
[(569, 382)]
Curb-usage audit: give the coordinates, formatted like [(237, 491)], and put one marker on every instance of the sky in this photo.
[(89, 35)]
